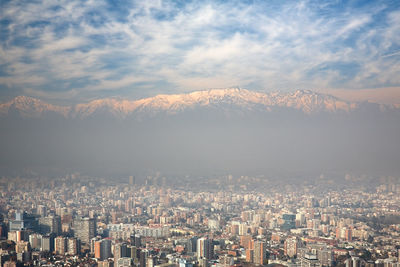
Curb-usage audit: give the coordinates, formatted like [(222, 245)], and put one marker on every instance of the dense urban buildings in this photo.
[(223, 221)]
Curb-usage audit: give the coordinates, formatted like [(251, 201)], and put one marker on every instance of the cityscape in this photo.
[(200, 133), (82, 221)]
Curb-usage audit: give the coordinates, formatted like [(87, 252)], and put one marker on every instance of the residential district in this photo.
[(226, 221)]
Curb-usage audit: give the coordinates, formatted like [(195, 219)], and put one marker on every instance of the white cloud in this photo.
[(198, 46), (352, 25)]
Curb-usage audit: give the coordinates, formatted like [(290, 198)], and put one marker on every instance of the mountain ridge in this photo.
[(234, 130), (306, 101)]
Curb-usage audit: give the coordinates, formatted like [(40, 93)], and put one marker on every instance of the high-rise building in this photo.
[(50, 224), (41, 210), (3, 229), (349, 234), (398, 255), (205, 248), (84, 229), (191, 244), (325, 256), (102, 249), (73, 246), (339, 232), (259, 252), (132, 180), (16, 236), (36, 241), (92, 244), (23, 221), (136, 240), (246, 241), (120, 251), (249, 255), (134, 253), (143, 257), (60, 245), (290, 246), (47, 243), (97, 249), (289, 221), (106, 248)]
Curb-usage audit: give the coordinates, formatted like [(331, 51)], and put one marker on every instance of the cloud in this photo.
[(74, 49), (353, 25), (396, 53)]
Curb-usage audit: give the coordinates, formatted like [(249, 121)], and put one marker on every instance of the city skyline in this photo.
[(200, 133), (159, 221)]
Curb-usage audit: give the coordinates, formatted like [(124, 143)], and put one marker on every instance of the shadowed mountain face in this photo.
[(208, 132)]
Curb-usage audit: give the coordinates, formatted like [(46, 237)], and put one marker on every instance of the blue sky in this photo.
[(75, 51)]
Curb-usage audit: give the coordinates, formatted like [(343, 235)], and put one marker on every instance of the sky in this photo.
[(75, 51)]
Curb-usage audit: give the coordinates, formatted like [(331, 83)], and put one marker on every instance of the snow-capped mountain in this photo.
[(303, 100), (307, 101), (31, 107), (233, 130)]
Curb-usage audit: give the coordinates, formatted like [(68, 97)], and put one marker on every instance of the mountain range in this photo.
[(308, 102), (236, 131)]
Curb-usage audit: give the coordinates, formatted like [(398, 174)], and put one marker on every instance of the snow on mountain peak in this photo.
[(32, 107), (304, 100)]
